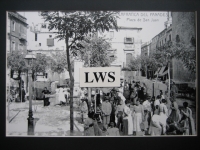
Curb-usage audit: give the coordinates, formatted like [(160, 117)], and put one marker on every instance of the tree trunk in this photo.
[(89, 89), (71, 85)]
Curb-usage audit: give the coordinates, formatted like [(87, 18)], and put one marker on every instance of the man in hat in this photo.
[(106, 111)]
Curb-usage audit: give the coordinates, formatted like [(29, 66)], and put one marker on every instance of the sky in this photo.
[(151, 22)]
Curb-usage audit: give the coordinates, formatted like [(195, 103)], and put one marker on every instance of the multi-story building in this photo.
[(145, 48), (16, 32), (126, 43), (158, 42), (43, 41), (16, 39)]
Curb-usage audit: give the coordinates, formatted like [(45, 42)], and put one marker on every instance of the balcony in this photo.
[(22, 36)]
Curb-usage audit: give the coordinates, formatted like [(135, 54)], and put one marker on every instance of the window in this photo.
[(128, 40), (111, 34), (50, 36), (40, 44), (13, 45), (35, 36), (13, 25), (50, 42)]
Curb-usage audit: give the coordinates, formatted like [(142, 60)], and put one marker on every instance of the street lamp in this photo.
[(30, 57)]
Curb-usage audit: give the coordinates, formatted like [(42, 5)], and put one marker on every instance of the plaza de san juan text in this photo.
[(101, 73)]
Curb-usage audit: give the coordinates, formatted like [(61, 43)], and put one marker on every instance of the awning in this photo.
[(162, 70), (164, 73), (157, 71)]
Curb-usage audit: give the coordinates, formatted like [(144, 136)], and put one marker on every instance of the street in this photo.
[(54, 120)]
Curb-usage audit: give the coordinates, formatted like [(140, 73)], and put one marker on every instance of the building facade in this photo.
[(126, 43), (42, 41), (16, 40), (145, 48), (183, 27), (16, 32)]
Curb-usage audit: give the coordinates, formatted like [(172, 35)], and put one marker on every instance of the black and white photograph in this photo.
[(101, 73)]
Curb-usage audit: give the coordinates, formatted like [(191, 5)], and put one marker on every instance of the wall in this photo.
[(117, 42), (183, 24)]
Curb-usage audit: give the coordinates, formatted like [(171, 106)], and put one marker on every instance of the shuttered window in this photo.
[(50, 42)]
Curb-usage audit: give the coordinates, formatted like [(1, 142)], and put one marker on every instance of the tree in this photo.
[(179, 50), (73, 26), (135, 64), (58, 62), (16, 62), (40, 64), (95, 50)]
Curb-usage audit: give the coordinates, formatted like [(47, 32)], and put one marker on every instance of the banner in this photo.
[(100, 77)]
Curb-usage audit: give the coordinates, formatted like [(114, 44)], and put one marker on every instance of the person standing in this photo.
[(126, 91), (187, 120), (106, 111), (61, 96), (45, 98), (119, 115), (138, 116), (112, 115), (175, 111), (148, 112), (127, 128), (133, 96), (163, 108), (84, 110)]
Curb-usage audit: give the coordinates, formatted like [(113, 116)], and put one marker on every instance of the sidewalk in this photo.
[(50, 121)]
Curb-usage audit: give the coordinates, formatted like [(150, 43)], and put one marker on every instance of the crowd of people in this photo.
[(134, 113), (59, 98)]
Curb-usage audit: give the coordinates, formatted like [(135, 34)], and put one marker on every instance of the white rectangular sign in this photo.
[(100, 77)]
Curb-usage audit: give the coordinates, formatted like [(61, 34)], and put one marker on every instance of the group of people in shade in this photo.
[(134, 113), (59, 98)]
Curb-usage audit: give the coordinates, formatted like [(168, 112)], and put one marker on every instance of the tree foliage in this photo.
[(41, 63), (73, 26), (179, 50), (16, 61), (58, 62), (95, 49)]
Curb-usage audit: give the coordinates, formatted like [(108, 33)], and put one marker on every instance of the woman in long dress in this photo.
[(57, 97), (175, 111), (61, 96), (138, 114), (187, 120), (127, 115)]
